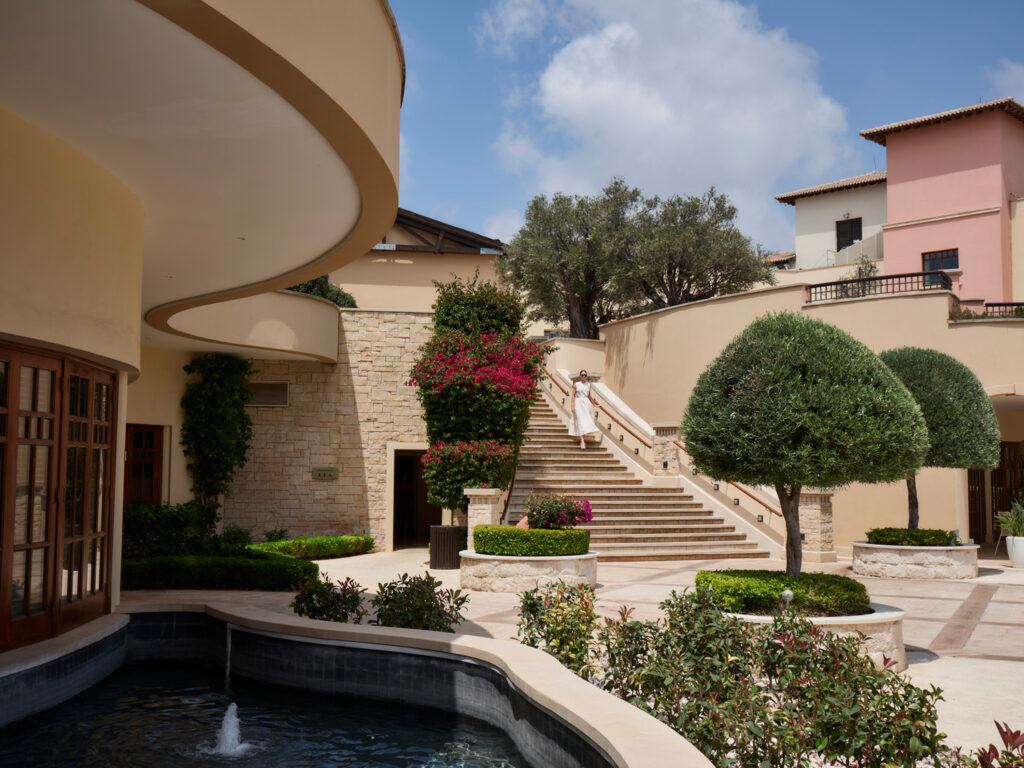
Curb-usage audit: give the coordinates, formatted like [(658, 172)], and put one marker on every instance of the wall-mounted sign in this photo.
[(325, 473)]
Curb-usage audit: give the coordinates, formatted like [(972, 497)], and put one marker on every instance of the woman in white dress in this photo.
[(582, 405)]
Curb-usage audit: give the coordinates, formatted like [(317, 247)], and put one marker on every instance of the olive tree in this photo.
[(962, 429), (794, 402)]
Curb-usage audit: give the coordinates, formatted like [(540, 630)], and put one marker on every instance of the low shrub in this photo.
[(1010, 756), (557, 511), (151, 530), (560, 619), (903, 537), (319, 547), (758, 592), (275, 534), (321, 599), (256, 570), (449, 468), (417, 602), (515, 542), (783, 694)]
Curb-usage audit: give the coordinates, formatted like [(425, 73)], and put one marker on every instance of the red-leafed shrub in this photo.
[(448, 468)]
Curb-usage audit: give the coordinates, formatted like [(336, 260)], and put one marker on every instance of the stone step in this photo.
[(581, 478), (644, 537), (641, 555), (607, 495), (642, 526), (670, 546), (589, 462)]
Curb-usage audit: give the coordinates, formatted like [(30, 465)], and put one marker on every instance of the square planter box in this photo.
[(500, 573)]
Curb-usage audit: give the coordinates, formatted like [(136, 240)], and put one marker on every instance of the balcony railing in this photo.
[(1004, 309), (883, 285)]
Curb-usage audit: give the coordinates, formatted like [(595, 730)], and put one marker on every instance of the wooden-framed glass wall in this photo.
[(57, 435)]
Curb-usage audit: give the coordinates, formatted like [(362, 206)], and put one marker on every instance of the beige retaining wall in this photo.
[(895, 562), (339, 416)]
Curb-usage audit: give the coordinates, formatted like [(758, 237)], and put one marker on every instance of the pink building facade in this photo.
[(953, 183)]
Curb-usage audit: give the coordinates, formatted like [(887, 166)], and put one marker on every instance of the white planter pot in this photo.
[(1015, 549)]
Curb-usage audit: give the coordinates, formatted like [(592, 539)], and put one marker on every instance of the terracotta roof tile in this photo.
[(864, 180), (1007, 105)]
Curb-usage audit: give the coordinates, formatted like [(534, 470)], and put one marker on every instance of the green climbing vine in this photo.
[(217, 432)]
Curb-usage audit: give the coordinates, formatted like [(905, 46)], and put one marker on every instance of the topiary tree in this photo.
[(794, 402), (962, 427)]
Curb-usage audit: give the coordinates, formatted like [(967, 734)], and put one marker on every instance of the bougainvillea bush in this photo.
[(448, 468), (557, 511), (477, 388)]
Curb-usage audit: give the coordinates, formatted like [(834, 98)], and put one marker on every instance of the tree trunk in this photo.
[(789, 500), (912, 519), (581, 319)]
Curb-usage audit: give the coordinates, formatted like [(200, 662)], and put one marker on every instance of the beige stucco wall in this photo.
[(339, 415), (819, 274), (653, 362), (282, 320), (388, 280), (816, 218), (155, 398), (71, 235)]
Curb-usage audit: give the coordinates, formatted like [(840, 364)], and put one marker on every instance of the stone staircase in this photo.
[(632, 522)]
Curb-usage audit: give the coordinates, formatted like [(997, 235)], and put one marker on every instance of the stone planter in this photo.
[(881, 631), (500, 573), (897, 562)]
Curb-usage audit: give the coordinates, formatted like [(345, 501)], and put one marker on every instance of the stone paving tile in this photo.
[(920, 607), (996, 640), (1005, 612), (920, 633)]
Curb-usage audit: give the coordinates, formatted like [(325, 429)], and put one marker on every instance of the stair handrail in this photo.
[(738, 487), (643, 441)]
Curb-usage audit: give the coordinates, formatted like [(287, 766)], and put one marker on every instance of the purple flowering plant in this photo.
[(557, 511)]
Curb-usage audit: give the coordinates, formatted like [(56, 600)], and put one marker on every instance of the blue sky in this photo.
[(507, 99)]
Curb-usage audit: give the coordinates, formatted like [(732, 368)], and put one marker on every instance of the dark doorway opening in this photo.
[(413, 513)]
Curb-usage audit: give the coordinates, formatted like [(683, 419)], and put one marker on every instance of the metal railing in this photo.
[(1004, 309), (883, 285), (738, 487)]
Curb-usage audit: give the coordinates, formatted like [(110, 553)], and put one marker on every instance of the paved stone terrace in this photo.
[(967, 637)]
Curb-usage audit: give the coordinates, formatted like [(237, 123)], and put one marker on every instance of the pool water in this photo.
[(168, 714)]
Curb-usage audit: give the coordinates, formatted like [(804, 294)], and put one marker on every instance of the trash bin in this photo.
[(445, 543)]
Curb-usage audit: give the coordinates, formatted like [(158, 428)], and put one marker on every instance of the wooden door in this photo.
[(143, 476)]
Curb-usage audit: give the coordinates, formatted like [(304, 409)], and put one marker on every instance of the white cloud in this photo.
[(1008, 79), (677, 95), (504, 224), (511, 22)]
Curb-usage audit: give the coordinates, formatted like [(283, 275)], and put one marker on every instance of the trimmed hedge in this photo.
[(257, 570), (758, 592), (902, 537), (318, 547), (509, 541)]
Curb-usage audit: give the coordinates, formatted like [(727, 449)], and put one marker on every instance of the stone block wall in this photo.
[(339, 416)]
